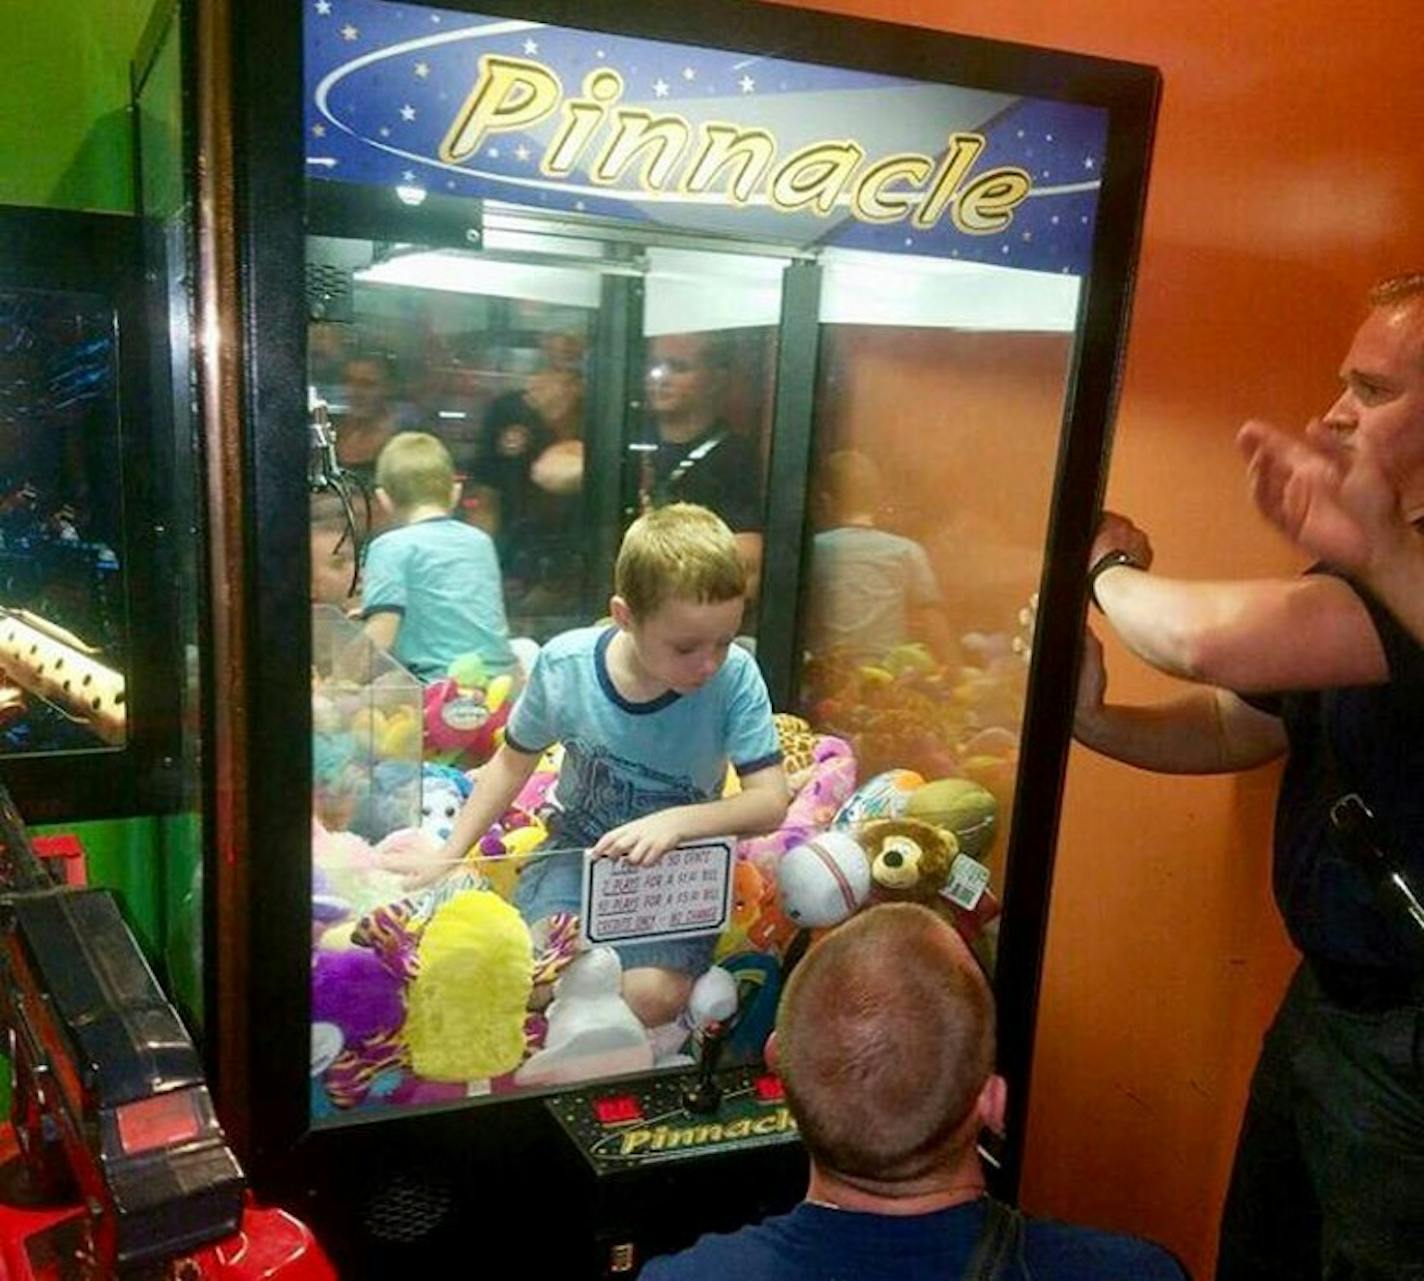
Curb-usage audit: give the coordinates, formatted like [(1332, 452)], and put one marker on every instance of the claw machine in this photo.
[(861, 290)]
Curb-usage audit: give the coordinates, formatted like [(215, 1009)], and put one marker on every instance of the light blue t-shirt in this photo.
[(626, 760), (442, 577)]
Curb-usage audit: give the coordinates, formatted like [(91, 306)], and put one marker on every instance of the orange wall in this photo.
[(1286, 177)]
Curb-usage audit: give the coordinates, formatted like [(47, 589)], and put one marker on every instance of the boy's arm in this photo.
[(383, 591), (496, 785), (758, 807), (353, 662), (383, 628)]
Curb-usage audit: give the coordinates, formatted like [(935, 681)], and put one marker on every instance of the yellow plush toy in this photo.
[(467, 1003)]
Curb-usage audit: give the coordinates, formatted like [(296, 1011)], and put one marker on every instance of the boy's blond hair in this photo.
[(678, 552), (415, 469)]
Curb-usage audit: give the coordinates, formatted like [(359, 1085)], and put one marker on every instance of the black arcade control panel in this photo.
[(649, 1122)]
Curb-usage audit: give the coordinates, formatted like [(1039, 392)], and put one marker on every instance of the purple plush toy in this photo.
[(354, 990)]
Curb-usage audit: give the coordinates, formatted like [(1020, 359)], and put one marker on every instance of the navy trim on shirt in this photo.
[(762, 762), (605, 682), (519, 747), (382, 609)]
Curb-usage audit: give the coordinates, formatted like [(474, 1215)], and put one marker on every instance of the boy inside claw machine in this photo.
[(438, 945)]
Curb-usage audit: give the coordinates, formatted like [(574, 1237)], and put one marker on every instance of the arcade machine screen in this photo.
[(63, 628), (841, 308)]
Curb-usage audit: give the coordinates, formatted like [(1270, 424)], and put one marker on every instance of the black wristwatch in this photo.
[(1108, 560)]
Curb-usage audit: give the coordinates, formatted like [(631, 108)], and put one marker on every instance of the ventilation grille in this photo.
[(409, 1205)]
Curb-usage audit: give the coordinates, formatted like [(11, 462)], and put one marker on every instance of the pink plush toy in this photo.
[(821, 788), (465, 714)]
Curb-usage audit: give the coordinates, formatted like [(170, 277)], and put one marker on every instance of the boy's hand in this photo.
[(643, 841), (425, 868)]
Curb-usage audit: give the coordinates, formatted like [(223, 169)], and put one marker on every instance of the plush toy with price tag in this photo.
[(917, 862)]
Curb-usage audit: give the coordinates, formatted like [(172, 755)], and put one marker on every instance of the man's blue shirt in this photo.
[(817, 1243)]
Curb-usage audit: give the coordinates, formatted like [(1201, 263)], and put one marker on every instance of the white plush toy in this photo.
[(592, 1031), (823, 881), (713, 998)]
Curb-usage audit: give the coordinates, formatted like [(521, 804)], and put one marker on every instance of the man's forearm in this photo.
[(1307, 632), (1167, 622), (1191, 735)]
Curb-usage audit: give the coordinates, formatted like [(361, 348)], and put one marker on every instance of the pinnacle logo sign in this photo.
[(633, 1145), (697, 138), (724, 161)]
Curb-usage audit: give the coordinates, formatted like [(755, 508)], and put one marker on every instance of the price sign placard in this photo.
[(685, 893)]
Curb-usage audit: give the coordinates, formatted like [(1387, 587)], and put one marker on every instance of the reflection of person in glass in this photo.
[(368, 418), (871, 590), (431, 587), (692, 454), (333, 554), (527, 474)]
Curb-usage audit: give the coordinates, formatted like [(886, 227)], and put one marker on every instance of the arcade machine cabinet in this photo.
[(905, 245)]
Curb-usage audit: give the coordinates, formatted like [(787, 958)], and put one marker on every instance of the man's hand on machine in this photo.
[(1118, 534)]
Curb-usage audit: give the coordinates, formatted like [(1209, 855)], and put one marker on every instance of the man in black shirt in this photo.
[(1329, 1173)]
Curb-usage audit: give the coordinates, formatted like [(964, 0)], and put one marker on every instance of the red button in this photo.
[(769, 1089), (61, 845), (616, 1109)]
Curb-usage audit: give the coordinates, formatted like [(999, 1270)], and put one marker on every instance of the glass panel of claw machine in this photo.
[(63, 624), (558, 365), (939, 408)]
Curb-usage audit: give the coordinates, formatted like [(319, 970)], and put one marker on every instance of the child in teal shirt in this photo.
[(431, 588)]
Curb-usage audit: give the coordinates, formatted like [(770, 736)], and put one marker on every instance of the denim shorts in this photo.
[(554, 883)]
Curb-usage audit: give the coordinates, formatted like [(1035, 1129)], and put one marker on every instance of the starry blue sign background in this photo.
[(384, 82)]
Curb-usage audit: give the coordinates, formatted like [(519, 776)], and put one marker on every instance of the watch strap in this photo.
[(1108, 560)]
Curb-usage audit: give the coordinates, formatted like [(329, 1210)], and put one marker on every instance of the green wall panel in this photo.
[(64, 131)]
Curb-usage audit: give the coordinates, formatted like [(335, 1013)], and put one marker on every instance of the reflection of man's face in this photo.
[(680, 382), (365, 388), (331, 565)]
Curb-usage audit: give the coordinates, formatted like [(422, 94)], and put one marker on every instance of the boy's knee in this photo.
[(656, 996)]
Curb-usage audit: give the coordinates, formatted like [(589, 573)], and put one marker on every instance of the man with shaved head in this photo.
[(1325, 669), (885, 1043)]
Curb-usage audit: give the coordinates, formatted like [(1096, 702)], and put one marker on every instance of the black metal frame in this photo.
[(786, 554), (268, 138)]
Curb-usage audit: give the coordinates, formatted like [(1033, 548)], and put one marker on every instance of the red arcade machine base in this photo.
[(49, 1243)]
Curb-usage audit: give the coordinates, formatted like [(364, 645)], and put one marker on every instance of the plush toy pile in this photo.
[(935, 719), (431, 994)]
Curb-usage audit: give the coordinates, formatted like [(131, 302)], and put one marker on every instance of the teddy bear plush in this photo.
[(910, 861)]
